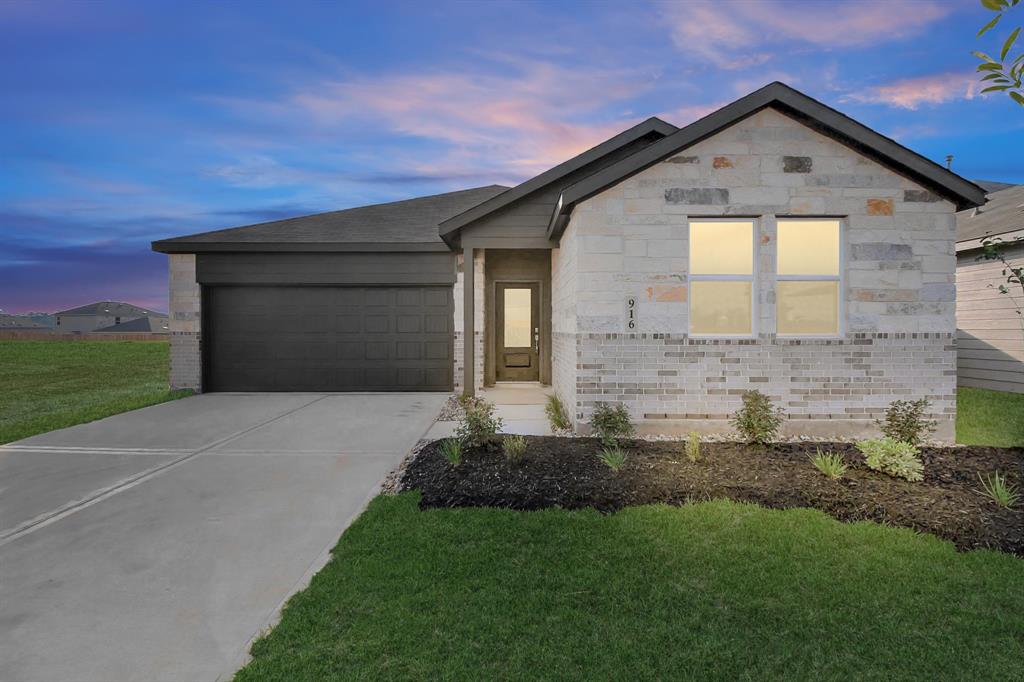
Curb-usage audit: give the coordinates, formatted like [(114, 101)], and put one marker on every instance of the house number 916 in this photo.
[(631, 313)]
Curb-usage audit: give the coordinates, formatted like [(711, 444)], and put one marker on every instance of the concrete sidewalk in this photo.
[(155, 544)]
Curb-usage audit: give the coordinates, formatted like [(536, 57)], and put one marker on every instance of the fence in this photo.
[(88, 336)]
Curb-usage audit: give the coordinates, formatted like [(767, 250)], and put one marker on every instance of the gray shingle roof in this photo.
[(1002, 213), (115, 308), (21, 323), (412, 221), (141, 324)]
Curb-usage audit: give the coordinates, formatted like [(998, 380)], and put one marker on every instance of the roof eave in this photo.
[(175, 246)]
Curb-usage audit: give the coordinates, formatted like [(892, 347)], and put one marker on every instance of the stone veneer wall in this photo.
[(478, 326), (631, 240), (185, 323)]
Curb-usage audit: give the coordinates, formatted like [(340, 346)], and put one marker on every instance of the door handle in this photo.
[(536, 339)]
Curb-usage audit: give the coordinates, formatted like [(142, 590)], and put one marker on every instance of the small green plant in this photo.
[(893, 457), (905, 421), (478, 426), (829, 463), (613, 457), (1000, 492), (758, 421), (611, 422), (693, 447), (515, 448), (451, 448), (557, 416)]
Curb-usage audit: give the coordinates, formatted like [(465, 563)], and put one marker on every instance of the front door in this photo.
[(517, 322)]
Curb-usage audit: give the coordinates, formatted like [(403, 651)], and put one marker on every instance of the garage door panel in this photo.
[(284, 338)]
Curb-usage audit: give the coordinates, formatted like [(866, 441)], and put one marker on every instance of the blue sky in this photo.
[(127, 122)]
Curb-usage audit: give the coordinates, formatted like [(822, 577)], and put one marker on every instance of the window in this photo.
[(517, 318), (722, 277), (807, 291)]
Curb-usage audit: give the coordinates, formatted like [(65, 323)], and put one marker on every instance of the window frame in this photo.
[(839, 278), (752, 277)]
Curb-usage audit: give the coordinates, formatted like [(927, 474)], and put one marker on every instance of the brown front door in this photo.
[(517, 319)]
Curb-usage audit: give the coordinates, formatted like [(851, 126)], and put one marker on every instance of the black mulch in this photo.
[(565, 472)]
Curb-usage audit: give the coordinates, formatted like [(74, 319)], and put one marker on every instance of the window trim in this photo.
[(839, 278), (753, 277)]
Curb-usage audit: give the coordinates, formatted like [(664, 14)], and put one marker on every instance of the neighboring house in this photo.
[(149, 325), (775, 244), (990, 345), (22, 323), (88, 318)]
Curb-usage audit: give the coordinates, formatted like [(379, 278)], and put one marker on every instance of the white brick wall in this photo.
[(478, 322), (185, 322), (631, 240)]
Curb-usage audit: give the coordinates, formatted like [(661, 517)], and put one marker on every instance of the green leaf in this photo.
[(992, 5), (995, 88), (1009, 43), (989, 67), (1019, 98), (982, 56), (996, 77), (989, 25)]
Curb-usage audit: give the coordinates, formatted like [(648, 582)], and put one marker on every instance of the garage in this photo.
[(329, 338), (327, 322)]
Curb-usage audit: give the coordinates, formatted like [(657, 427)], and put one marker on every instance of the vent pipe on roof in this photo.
[(949, 161)]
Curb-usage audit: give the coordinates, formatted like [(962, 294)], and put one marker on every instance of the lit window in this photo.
[(722, 277), (807, 291)]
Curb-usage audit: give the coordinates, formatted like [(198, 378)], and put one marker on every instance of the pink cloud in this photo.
[(739, 34), (910, 93)]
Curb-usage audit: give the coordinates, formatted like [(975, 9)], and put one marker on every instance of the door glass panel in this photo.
[(517, 318)]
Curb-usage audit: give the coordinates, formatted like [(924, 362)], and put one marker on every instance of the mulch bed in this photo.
[(564, 472)]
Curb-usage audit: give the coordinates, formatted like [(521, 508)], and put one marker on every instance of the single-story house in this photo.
[(89, 318), (774, 244), (990, 327), (140, 325), (22, 323)]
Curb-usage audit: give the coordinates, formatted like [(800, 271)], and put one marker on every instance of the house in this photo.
[(141, 325), (774, 244), (22, 323), (990, 327), (88, 318)]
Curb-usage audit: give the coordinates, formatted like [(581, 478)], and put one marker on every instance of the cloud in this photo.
[(911, 93), (507, 118), (739, 34)]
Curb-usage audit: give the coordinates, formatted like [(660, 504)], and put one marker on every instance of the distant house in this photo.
[(150, 324), (88, 318), (990, 345), (22, 323)]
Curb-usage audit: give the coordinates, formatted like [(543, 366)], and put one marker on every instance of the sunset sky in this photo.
[(126, 122)]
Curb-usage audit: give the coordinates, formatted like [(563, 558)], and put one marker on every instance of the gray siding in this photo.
[(990, 335), (326, 268)]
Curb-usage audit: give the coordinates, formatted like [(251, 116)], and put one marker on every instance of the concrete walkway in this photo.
[(154, 545), (520, 404)]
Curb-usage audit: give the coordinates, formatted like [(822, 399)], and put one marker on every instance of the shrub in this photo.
[(478, 426), (758, 421), (996, 488), (451, 448), (892, 457), (515, 447), (829, 463), (614, 457), (557, 417), (693, 447), (904, 421), (611, 423)]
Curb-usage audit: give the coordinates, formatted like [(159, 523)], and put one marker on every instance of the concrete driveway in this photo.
[(155, 544)]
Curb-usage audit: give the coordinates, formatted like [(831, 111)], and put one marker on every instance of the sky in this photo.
[(125, 122)]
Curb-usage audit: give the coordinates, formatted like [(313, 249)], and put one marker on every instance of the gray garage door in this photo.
[(292, 338)]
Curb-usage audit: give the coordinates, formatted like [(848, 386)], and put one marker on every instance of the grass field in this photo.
[(989, 418), (52, 384), (717, 591)]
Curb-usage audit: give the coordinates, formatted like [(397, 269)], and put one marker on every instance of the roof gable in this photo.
[(653, 127), (798, 106), (111, 308)]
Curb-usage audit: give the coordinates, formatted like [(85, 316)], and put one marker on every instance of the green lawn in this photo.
[(52, 384), (716, 590), (989, 418)]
